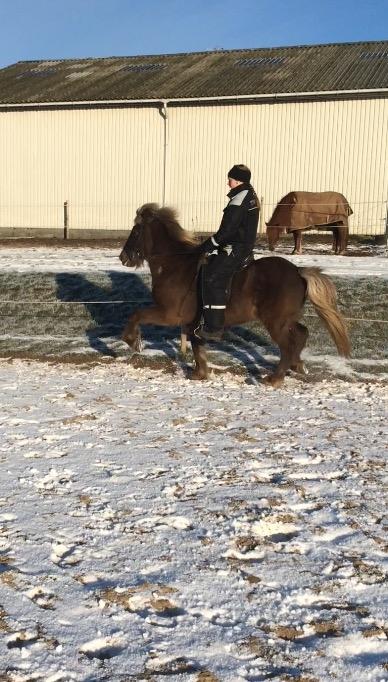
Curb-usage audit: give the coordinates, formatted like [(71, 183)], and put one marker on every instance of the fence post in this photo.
[(65, 219), (261, 219), (386, 231)]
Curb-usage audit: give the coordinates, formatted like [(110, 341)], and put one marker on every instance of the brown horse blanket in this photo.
[(301, 210)]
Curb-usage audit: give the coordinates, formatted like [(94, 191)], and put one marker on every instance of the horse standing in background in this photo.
[(270, 289), (301, 211)]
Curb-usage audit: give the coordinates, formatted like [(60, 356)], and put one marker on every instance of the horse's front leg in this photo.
[(342, 239), (131, 334), (335, 245), (297, 234), (200, 371)]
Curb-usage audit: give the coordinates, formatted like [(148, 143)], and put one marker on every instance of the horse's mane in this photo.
[(168, 216)]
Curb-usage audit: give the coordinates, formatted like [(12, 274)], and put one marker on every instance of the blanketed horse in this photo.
[(299, 211), (271, 290)]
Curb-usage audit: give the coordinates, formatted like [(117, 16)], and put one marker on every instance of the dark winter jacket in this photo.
[(238, 227)]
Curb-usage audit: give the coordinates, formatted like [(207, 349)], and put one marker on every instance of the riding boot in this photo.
[(213, 323)]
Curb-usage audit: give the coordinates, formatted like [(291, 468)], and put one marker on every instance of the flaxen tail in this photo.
[(322, 294)]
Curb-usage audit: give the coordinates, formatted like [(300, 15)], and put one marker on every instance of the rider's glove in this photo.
[(208, 246)]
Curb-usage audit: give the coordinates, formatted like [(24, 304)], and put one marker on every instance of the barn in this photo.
[(84, 142)]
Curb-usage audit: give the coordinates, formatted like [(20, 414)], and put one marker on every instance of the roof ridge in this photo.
[(204, 52)]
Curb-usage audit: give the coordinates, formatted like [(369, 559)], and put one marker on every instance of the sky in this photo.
[(65, 29)]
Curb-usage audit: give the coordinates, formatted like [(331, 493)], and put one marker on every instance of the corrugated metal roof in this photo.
[(308, 68)]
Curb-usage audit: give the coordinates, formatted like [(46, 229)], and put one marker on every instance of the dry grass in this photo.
[(327, 628), (4, 627), (288, 632), (206, 676), (247, 543), (86, 500), (155, 598)]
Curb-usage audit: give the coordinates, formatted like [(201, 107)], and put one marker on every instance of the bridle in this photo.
[(136, 250)]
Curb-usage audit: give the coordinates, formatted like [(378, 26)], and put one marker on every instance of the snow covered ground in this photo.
[(153, 528), (87, 259)]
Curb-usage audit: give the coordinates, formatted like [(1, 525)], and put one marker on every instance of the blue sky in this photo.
[(62, 29)]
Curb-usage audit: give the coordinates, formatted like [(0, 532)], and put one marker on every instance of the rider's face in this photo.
[(233, 183)]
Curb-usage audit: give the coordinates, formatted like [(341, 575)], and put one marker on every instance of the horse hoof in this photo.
[(198, 376), (135, 345), (274, 381), (299, 368)]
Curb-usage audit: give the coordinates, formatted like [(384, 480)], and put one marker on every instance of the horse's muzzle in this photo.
[(124, 259)]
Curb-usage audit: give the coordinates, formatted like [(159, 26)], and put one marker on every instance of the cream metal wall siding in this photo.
[(104, 162), (311, 146), (107, 162)]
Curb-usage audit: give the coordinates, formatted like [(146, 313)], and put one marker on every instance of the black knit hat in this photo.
[(240, 172)]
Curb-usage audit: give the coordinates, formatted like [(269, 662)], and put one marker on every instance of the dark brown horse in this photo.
[(302, 211), (270, 289)]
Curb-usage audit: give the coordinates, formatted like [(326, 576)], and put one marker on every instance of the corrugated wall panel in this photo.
[(107, 162), (311, 146), (104, 162)]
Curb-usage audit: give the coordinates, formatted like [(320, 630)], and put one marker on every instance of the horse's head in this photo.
[(138, 246), (273, 235), (156, 232)]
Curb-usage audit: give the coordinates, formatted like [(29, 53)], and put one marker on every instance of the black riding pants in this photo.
[(217, 275)]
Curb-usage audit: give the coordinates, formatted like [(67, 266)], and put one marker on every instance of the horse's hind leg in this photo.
[(342, 239), (200, 371), (298, 334), (291, 338), (297, 234)]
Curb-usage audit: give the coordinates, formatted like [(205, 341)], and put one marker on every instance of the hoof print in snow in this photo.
[(65, 555), (23, 638), (148, 600), (275, 530), (41, 597), (165, 607), (102, 648), (170, 665)]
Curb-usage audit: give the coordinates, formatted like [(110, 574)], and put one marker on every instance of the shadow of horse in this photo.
[(249, 348), (108, 303), (111, 299)]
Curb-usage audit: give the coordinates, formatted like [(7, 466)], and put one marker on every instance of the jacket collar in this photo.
[(238, 189)]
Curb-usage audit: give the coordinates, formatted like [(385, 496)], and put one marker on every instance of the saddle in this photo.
[(248, 260), (196, 284), (244, 264)]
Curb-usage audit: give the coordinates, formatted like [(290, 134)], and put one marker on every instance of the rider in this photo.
[(227, 250)]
